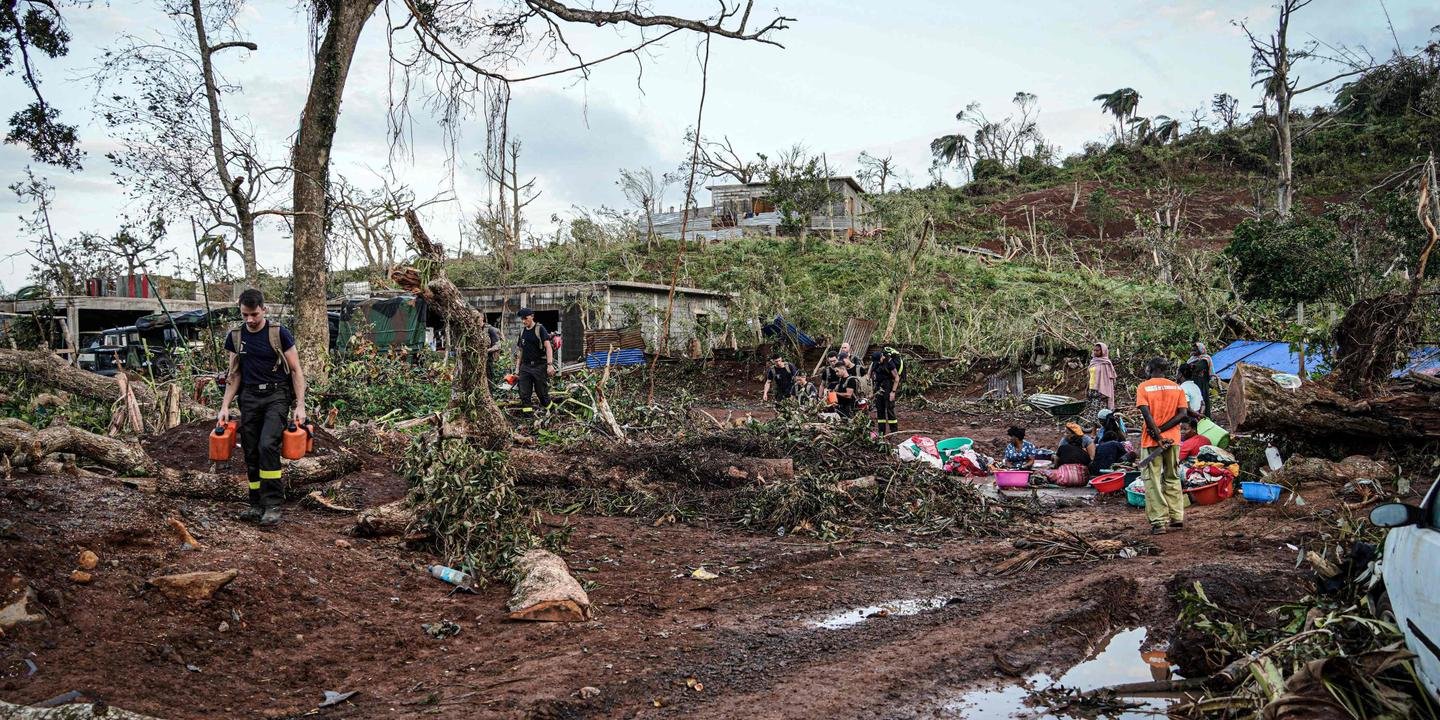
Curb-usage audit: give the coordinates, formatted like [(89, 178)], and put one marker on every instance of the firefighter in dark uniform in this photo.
[(536, 362), (885, 373), (265, 372)]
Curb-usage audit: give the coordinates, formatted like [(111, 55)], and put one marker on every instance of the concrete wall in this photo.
[(600, 306)]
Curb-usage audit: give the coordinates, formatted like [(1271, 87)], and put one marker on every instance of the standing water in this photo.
[(1120, 661)]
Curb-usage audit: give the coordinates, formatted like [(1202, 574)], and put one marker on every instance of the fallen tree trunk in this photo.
[(393, 518), (620, 467), (224, 486), (546, 590), (1256, 403), (74, 711), (28, 447), (1299, 470), (50, 370)]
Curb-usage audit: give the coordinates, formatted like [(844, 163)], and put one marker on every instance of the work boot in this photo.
[(1177, 524), (1154, 529), (251, 514), (271, 516)]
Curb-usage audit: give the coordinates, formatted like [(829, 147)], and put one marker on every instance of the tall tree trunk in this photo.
[(905, 283), (1285, 180), (233, 189), (311, 161)]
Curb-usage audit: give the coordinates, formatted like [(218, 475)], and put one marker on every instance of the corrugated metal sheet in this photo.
[(858, 333), (1266, 353), (619, 357), (780, 328), (1424, 360)]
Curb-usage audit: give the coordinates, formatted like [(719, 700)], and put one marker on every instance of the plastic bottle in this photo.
[(1272, 458), (292, 444), (222, 442), (450, 575)]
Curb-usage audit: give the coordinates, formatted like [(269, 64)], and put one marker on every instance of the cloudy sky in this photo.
[(884, 77)]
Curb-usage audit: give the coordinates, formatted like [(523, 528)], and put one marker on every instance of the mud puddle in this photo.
[(894, 608), (1119, 661)]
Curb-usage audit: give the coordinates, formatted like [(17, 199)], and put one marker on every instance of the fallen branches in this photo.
[(29, 447), (50, 370), (1053, 546)]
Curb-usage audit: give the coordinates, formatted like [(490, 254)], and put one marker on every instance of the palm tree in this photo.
[(1164, 129), (1122, 104), (951, 149)]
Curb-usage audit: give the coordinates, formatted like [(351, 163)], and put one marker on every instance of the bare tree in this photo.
[(60, 265), (373, 218), (719, 158), (460, 49), (1004, 141), (27, 27), (645, 191), (1225, 107), (875, 171), (138, 251), (182, 155), (1272, 63)]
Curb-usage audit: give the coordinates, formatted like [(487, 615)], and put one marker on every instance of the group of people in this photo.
[(838, 385), (1194, 378)]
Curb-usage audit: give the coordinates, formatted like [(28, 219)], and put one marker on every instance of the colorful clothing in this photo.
[(1191, 446), (1102, 376), (1021, 456)]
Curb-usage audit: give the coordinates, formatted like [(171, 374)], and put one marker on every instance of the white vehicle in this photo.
[(1410, 569)]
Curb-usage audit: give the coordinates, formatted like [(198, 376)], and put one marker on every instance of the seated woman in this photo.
[(1110, 450), (1073, 430), (1019, 452), (1072, 463), (1190, 440)]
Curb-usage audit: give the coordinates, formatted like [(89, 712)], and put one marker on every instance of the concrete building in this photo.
[(738, 209), (698, 323)]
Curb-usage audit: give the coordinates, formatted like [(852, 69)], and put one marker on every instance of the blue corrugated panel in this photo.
[(1266, 353), (634, 356), (780, 327), (1424, 360)]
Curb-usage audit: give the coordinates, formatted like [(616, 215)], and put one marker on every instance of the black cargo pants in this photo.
[(885, 421), (264, 413), (533, 378)]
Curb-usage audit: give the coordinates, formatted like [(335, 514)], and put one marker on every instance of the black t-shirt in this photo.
[(492, 335), (532, 343), (257, 358), (828, 377), (1071, 454), (1107, 454), (884, 374), (849, 383), (783, 377)]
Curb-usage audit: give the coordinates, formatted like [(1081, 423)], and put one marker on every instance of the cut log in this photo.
[(1256, 403), (30, 447), (393, 518), (546, 590), (220, 486), (1299, 471), (73, 711), (194, 585), (618, 467)]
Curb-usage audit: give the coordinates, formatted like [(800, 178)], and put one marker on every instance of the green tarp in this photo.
[(397, 322)]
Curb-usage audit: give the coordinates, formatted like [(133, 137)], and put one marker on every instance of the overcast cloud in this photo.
[(879, 76)]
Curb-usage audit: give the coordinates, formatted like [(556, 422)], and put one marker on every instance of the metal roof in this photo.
[(1271, 354)]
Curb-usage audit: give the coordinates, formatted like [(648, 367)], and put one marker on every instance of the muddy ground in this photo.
[(314, 609)]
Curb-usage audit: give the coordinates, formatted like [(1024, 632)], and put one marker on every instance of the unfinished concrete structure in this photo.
[(699, 322), (743, 208)]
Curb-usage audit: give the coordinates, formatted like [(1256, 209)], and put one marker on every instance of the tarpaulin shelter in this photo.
[(1271, 354), (396, 322), (1424, 360), (780, 328)]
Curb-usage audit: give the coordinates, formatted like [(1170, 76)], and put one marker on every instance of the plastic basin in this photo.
[(1260, 492), (1134, 498), (1108, 483), (1205, 494), (950, 446), (1012, 478)]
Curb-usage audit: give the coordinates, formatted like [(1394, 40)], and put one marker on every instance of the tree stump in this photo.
[(1256, 403), (546, 590)]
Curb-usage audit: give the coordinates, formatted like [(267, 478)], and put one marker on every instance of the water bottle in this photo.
[(1272, 457), (450, 575)]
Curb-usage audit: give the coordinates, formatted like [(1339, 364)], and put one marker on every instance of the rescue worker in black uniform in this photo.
[(781, 374), (847, 392), (536, 361), (886, 376), (265, 373)]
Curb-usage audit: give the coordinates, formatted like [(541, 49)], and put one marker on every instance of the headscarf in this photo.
[(1102, 375), (1199, 354)]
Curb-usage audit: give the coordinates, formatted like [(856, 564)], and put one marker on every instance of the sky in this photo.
[(880, 77)]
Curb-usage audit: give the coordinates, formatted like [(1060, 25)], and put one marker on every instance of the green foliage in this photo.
[(19, 401), (1101, 209), (1287, 261), (466, 499), (370, 385), (800, 188)]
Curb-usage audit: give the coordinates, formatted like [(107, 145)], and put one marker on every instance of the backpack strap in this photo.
[(275, 345), (235, 340)]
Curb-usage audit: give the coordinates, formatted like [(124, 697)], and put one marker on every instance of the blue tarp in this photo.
[(633, 356), (1424, 360), (778, 327), (1266, 353)]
